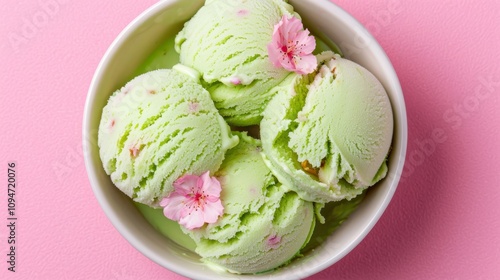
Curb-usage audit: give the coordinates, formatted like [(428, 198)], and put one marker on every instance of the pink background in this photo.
[(444, 221)]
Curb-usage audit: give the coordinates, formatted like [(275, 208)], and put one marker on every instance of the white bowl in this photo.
[(132, 47)]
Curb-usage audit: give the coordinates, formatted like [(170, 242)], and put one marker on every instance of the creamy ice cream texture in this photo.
[(226, 42), (263, 225), (159, 126), (327, 135)]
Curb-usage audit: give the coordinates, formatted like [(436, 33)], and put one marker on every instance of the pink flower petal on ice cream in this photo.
[(212, 211), (194, 201), (185, 184), (273, 241), (242, 12), (291, 47), (211, 186), (194, 219), (173, 207), (235, 81)]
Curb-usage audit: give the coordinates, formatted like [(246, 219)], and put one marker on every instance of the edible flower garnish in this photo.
[(194, 201), (292, 46)]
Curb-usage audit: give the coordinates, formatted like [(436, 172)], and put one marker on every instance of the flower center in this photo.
[(292, 51), (197, 199)]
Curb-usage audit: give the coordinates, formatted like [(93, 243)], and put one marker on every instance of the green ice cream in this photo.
[(226, 41), (263, 225), (327, 135), (165, 226), (158, 127), (243, 105)]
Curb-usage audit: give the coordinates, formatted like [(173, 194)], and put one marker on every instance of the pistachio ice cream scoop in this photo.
[(226, 41), (263, 226), (327, 135), (158, 127)]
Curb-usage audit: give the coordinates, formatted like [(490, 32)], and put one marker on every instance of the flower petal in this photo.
[(288, 63), (212, 211), (193, 220), (291, 46), (173, 207), (185, 184), (211, 186), (194, 201), (293, 26), (306, 64), (273, 241), (274, 54), (278, 33), (306, 44)]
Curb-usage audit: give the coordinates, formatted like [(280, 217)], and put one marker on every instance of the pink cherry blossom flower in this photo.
[(291, 47), (194, 201)]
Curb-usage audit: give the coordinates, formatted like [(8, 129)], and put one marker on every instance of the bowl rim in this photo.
[(137, 243)]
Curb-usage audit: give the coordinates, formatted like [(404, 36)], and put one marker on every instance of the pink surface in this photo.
[(442, 224)]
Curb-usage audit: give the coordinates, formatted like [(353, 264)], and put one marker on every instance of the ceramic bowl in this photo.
[(164, 20)]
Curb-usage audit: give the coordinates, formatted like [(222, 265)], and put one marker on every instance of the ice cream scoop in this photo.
[(226, 41), (243, 105), (158, 127), (263, 225), (327, 135)]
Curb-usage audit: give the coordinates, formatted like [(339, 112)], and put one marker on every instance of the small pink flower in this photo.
[(292, 46), (194, 201)]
